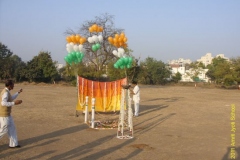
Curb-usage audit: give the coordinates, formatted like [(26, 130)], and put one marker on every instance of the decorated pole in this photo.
[(86, 110), (93, 111)]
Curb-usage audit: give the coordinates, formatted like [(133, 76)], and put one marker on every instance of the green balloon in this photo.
[(115, 65), (94, 47), (78, 54), (98, 46)]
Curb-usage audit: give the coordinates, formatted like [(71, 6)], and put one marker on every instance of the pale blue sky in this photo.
[(162, 29)]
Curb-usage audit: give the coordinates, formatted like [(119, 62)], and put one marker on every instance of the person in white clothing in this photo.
[(7, 125), (136, 97)]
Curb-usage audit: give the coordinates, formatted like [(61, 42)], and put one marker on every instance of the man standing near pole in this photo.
[(136, 97), (6, 121)]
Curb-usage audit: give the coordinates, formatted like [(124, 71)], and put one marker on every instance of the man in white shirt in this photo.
[(6, 121), (136, 97)]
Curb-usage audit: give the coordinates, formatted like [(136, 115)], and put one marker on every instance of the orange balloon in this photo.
[(81, 40), (115, 40), (125, 39), (94, 27), (90, 29), (122, 35), (120, 39), (77, 37), (101, 29), (116, 36), (84, 39), (68, 39), (73, 38), (110, 39)]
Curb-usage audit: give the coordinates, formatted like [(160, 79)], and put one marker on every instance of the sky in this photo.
[(161, 29)]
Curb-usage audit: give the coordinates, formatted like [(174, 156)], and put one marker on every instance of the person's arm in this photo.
[(16, 94), (5, 102)]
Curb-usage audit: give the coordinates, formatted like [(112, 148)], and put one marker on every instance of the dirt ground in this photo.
[(175, 123)]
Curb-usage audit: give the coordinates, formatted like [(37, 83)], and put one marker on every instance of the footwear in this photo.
[(18, 146)]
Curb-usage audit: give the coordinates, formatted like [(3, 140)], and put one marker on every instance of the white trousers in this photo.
[(136, 108), (7, 126)]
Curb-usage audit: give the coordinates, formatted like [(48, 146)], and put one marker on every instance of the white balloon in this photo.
[(68, 50), (90, 39), (80, 47), (95, 38), (115, 53), (75, 48), (100, 38), (119, 54)]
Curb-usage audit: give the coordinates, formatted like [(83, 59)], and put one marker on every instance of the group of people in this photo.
[(7, 125)]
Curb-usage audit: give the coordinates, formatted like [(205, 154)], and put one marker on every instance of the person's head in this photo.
[(9, 84), (134, 83)]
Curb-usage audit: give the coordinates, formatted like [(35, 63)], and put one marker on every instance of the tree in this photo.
[(95, 62), (153, 71), (41, 68), (177, 77), (235, 65), (5, 55), (220, 71), (195, 69)]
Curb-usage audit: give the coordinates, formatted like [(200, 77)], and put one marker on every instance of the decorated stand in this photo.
[(103, 97)]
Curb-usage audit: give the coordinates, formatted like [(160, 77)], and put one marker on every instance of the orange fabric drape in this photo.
[(107, 94)]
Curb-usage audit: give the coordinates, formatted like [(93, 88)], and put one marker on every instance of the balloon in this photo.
[(129, 66), (130, 60), (66, 59), (122, 67), (110, 39), (90, 40), (116, 36), (94, 27), (115, 65), (73, 39), (69, 57), (126, 60), (91, 29), (75, 48), (122, 35), (68, 39), (100, 38), (95, 38), (94, 47), (78, 54), (81, 40), (115, 53), (77, 37), (98, 45), (125, 39), (80, 47)]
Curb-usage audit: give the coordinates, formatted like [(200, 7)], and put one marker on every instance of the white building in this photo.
[(207, 59), (59, 66), (180, 61)]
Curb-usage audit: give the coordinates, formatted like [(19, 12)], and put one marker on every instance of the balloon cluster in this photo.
[(118, 40), (95, 39), (75, 57), (76, 39), (95, 28), (124, 62), (75, 53), (119, 53)]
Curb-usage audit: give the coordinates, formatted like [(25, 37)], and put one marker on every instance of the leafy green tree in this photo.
[(177, 77), (5, 55), (42, 68), (235, 65), (220, 71), (153, 72)]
